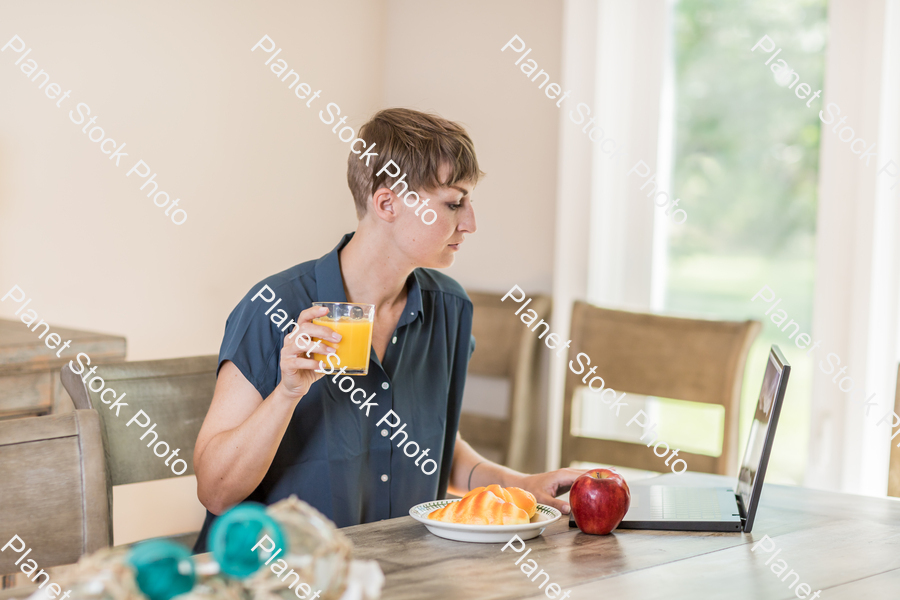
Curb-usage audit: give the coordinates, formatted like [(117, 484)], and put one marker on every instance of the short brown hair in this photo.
[(420, 143)]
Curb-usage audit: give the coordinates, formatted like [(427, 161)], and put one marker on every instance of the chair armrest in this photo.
[(75, 387)]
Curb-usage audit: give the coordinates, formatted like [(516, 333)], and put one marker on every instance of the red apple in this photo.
[(599, 499)]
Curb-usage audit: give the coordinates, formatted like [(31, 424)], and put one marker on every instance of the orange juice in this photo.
[(353, 349)]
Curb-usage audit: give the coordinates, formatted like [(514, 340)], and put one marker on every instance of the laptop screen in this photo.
[(762, 433)]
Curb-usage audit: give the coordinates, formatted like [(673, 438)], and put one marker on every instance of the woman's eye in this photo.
[(454, 206)]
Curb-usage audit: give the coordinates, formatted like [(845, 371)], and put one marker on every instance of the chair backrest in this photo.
[(654, 355), (894, 468), (53, 489), (504, 348), (174, 393)]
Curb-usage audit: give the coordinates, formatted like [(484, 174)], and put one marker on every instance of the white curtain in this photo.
[(613, 60), (856, 297)]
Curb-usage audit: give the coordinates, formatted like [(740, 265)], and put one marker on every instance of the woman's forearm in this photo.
[(471, 470), (235, 461), (485, 472)]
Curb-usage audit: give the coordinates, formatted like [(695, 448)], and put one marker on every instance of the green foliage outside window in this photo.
[(746, 170)]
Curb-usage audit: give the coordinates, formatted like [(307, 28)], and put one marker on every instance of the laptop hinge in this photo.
[(743, 511)]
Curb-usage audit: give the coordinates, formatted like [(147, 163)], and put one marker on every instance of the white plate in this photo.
[(485, 534)]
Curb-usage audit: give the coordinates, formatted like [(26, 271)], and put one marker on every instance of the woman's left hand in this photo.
[(547, 486)]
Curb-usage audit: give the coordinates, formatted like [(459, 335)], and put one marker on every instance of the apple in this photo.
[(599, 500)]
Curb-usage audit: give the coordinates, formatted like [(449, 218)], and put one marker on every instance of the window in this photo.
[(745, 166)]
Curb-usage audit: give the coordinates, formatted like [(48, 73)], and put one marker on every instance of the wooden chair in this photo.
[(53, 491), (654, 355), (175, 393), (894, 469), (506, 348)]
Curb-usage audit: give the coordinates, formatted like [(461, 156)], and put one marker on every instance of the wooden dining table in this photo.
[(29, 368), (845, 545)]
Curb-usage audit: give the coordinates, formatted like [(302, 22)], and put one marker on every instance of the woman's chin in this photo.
[(442, 262)]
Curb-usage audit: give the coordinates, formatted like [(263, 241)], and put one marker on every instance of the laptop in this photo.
[(711, 508)]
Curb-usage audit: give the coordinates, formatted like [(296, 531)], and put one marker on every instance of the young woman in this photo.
[(276, 427)]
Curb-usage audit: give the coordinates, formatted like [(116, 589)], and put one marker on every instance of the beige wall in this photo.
[(446, 57), (178, 84)]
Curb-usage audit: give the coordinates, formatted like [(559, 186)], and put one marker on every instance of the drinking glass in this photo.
[(354, 323)]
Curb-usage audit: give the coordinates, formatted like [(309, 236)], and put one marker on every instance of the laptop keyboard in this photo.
[(684, 503)]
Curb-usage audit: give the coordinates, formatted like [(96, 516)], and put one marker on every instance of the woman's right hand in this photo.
[(298, 368)]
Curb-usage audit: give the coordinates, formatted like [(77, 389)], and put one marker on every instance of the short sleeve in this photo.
[(253, 343)]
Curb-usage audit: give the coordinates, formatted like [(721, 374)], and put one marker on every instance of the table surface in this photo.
[(22, 350), (29, 368), (845, 545)]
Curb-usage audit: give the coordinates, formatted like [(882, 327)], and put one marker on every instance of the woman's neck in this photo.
[(371, 274)]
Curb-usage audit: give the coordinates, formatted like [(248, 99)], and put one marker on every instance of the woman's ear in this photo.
[(384, 204)]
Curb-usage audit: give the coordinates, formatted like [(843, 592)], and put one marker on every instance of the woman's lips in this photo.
[(455, 246)]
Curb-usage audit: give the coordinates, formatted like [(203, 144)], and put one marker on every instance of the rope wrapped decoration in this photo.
[(316, 561)]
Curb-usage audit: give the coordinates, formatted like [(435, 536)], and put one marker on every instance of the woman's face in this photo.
[(436, 245)]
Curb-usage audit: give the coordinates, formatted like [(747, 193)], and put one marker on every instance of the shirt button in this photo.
[(384, 432), (394, 340), (384, 477), (412, 314), (385, 385)]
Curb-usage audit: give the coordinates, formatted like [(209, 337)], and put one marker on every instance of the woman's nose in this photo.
[(467, 223)]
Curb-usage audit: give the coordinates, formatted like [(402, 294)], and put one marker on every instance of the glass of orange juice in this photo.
[(354, 323)]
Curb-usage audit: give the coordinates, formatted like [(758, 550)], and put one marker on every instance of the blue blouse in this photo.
[(333, 455)]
